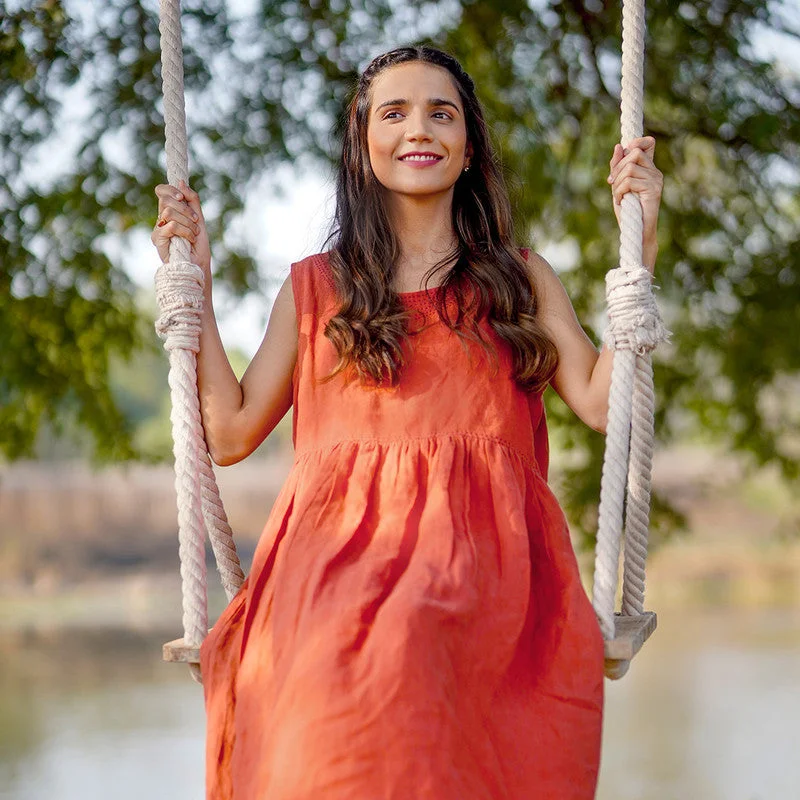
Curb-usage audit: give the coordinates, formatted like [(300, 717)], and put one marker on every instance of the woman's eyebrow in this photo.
[(440, 101), (434, 101), (398, 102)]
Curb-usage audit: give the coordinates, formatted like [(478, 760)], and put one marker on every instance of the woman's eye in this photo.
[(441, 115), (391, 115)]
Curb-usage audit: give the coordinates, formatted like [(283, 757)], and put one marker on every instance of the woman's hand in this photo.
[(633, 170), (179, 214)]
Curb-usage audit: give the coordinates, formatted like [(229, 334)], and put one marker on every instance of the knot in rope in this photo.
[(634, 322), (179, 292)]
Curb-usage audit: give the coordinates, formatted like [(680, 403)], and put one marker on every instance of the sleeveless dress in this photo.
[(413, 626)]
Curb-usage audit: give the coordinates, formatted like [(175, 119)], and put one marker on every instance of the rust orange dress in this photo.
[(413, 626)]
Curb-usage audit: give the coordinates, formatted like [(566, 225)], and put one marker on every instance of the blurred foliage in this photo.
[(140, 389), (267, 86)]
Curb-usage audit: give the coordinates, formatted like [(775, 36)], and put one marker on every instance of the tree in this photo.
[(268, 87)]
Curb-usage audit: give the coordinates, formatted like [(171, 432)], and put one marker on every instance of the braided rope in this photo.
[(612, 491), (177, 296), (179, 291), (637, 509), (220, 533), (634, 330)]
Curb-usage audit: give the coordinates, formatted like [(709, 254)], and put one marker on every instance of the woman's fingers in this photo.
[(641, 186), (179, 214), (164, 191), (161, 243), (193, 201), (616, 156), (645, 143), (639, 151), (635, 171), (184, 201), (632, 169), (168, 212), (176, 217), (163, 233), (635, 158)]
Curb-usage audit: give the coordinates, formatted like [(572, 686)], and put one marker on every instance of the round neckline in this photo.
[(432, 290), (423, 294)]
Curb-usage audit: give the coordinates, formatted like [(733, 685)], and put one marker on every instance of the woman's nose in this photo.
[(418, 127)]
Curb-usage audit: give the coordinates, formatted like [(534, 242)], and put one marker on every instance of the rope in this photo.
[(637, 510), (220, 533), (633, 332), (179, 291)]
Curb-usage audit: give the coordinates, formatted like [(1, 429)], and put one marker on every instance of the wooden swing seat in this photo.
[(179, 652), (630, 633)]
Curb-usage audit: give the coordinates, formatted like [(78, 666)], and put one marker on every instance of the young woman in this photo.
[(414, 626)]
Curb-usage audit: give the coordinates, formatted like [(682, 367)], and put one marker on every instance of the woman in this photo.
[(414, 625)]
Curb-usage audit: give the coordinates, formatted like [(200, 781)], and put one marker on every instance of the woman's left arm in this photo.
[(583, 377)]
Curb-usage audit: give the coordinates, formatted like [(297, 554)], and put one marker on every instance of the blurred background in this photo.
[(89, 584)]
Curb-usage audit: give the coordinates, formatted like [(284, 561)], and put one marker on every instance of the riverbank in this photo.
[(82, 548)]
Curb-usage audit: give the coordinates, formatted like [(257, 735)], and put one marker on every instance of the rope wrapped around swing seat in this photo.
[(179, 292), (634, 330)]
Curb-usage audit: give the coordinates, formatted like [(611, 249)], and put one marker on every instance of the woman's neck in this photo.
[(424, 230)]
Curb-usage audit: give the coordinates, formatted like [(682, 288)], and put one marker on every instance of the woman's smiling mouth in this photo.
[(421, 159)]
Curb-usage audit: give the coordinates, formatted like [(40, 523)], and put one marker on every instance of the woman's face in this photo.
[(416, 133)]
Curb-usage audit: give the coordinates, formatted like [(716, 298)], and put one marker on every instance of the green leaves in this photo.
[(269, 87)]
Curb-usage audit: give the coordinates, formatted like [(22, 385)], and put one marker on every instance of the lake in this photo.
[(710, 710)]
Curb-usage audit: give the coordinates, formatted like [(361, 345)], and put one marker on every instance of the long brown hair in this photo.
[(488, 277)]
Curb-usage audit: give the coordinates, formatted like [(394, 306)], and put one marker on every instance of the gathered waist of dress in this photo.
[(428, 441)]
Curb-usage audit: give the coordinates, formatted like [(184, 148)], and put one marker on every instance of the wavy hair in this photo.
[(488, 275)]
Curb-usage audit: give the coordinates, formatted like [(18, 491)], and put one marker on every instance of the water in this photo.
[(97, 715), (710, 710)]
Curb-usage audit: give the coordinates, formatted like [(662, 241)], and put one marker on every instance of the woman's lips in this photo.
[(421, 159)]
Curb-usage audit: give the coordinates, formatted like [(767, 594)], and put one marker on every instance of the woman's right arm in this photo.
[(237, 415)]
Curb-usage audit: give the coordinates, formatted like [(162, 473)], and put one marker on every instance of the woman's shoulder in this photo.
[(549, 290), (534, 260), (539, 268)]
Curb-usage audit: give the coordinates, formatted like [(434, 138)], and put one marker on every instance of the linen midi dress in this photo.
[(413, 626)]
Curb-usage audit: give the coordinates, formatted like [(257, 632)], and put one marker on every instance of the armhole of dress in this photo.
[(297, 290)]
